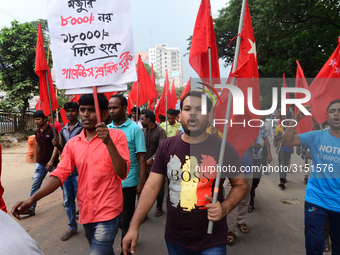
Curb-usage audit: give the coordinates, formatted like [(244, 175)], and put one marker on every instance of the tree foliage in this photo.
[(285, 31), (17, 60)]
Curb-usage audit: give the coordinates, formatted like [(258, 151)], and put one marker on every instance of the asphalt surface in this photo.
[(274, 227)]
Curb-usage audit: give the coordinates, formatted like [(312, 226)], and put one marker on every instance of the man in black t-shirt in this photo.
[(189, 161), (44, 150)]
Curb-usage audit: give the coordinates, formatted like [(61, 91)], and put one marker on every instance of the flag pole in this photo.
[(137, 103), (225, 129), (96, 104), (211, 83), (166, 115), (154, 105), (50, 101)]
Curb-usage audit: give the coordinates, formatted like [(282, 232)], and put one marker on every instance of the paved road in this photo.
[(275, 228)]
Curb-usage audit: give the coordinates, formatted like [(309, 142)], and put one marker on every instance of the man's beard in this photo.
[(196, 133)]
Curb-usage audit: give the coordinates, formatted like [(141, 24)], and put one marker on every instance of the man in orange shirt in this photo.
[(102, 160)]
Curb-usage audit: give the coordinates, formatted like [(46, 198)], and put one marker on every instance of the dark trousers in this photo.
[(284, 157), (129, 196), (315, 219), (256, 180), (264, 156)]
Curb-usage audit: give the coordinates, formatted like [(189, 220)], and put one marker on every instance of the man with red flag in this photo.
[(42, 70)]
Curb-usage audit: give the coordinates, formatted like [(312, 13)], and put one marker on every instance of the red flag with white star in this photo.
[(325, 88), (306, 123), (241, 135)]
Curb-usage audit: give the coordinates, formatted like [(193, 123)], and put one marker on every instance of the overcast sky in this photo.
[(153, 21)]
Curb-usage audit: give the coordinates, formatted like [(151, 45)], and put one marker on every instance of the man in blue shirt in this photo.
[(134, 182), (322, 198)]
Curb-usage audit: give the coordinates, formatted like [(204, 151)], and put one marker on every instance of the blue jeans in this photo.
[(174, 249), (101, 236), (70, 189), (39, 175), (315, 218)]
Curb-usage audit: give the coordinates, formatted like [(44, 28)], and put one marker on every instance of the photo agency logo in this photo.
[(239, 103)]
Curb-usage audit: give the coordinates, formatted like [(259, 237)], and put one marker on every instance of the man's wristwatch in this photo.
[(153, 158)]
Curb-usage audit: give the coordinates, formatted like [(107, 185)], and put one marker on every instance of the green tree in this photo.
[(17, 60), (285, 31)]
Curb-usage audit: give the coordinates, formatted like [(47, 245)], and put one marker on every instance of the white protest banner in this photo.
[(91, 42)]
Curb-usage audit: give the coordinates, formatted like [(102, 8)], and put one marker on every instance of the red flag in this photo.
[(186, 89), (131, 104), (146, 89), (153, 101), (306, 123), (325, 87), (161, 106), (172, 100), (242, 135), (75, 99), (203, 38), (63, 116), (2, 202), (41, 67), (110, 94), (37, 104)]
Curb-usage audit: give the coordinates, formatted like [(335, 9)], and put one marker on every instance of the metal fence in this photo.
[(9, 123)]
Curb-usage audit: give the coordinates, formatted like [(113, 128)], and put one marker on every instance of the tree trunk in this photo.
[(22, 121)]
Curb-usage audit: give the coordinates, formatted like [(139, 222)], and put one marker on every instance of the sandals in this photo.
[(231, 238), (243, 228), (159, 212), (327, 247), (68, 235), (250, 208)]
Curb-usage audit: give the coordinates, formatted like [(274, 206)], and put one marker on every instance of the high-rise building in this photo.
[(167, 58)]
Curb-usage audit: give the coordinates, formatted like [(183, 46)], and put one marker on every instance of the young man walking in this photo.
[(102, 160), (46, 161), (135, 180), (322, 198), (188, 161)]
